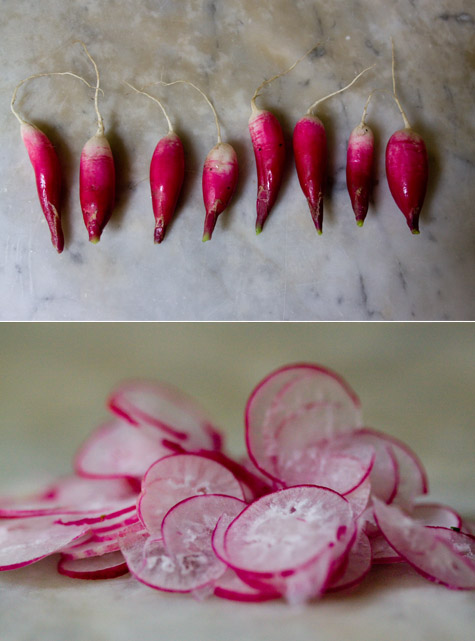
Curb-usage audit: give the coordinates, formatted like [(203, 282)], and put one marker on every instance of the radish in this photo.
[(269, 150), (46, 165), (359, 167), (220, 172), (310, 152), (407, 167), (107, 566), (167, 171), (96, 175)]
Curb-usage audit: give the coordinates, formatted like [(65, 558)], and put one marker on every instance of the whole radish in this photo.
[(46, 166), (220, 172), (96, 176), (407, 168), (310, 153), (359, 167), (167, 171), (269, 150)]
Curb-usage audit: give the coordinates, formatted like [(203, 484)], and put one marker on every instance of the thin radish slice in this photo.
[(73, 495), (149, 561), (435, 514), (230, 586), (412, 477), (359, 564), (188, 526), (116, 449), (283, 531), (98, 546), (175, 414), (178, 477), (359, 497), (330, 407), (385, 472), (107, 566), (449, 561), (95, 519), (382, 552), (24, 541)]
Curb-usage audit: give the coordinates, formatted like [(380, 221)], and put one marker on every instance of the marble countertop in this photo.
[(415, 382), (379, 272)]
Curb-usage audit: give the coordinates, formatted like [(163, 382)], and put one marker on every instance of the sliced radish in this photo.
[(284, 531), (24, 540), (74, 495), (437, 515), (178, 477), (359, 497), (382, 552), (316, 401), (445, 557), (116, 449), (358, 565), (94, 546), (107, 566), (176, 415), (230, 586)]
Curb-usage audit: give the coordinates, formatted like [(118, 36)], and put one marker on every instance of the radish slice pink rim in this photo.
[(108, 566), (298, 367)]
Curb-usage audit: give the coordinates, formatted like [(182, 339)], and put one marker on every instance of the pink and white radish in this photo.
[(107, 566), (269, 150), (407, 167), (220, 172), (96, 175), (359, 167), (46, 165), (167, 171), (310, 152)]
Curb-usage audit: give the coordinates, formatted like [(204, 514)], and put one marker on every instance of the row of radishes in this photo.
[(319, 500), (406, 168)]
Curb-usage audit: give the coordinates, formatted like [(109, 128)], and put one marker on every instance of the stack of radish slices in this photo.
[(319, 500)]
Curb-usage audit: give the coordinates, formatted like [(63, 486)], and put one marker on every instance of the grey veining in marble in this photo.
[(229, 48)]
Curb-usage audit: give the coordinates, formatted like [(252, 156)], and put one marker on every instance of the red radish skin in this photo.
[(269, 150), (96, 185), (407, 171), (310, 152), (167, 171), (220, 175), (359, 169), (45, 163)]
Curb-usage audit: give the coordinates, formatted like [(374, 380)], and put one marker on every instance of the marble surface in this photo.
[(415, 382), (228, 48)]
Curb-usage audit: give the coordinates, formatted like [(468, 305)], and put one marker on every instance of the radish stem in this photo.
[(187, 82), (282, 73), (39, 75), (404, 117), (170, 128), (334, 93)]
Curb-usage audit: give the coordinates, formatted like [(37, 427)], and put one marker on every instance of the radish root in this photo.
[(100, 122), (170, 128), (404, 117), (187, 82), (21, 120), (282, 73), (334, 93)]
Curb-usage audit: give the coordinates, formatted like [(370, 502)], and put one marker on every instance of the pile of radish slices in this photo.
[(318, 500)]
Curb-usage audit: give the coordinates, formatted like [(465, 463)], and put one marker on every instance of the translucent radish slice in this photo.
[(178, 477), (436, 514), (385, 472), (98, 546), (359, 497), (175, 414), (440, 555), (107, 566), (74, 495), (412, 477), (24, 541), (117, 449), (382, 552), (230, 586), (149, 561), (358, 566), (317, 401), (283, 531), (189, 525)]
